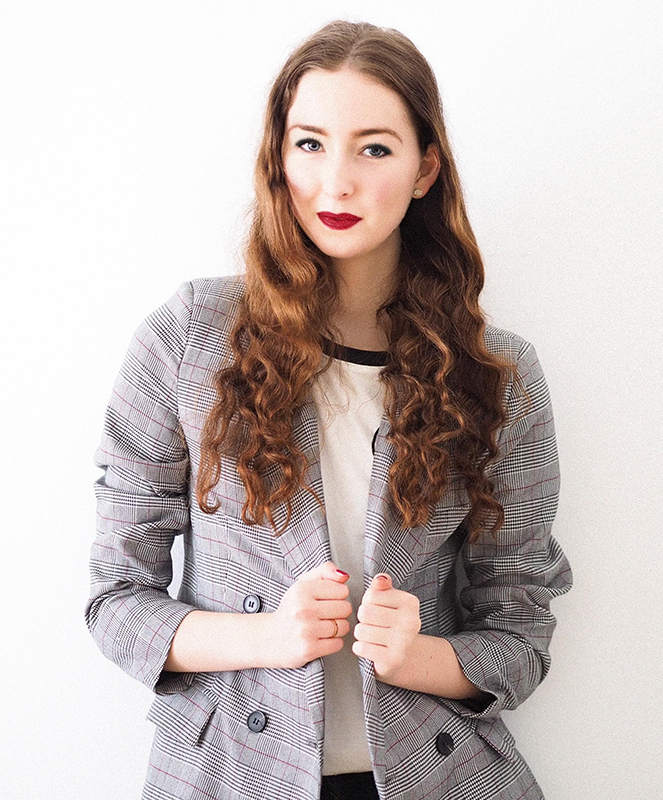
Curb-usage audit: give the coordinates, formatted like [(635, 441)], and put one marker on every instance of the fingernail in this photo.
[(346, 574), (382, 576)]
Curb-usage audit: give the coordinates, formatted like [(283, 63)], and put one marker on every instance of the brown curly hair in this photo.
[(443, 388)]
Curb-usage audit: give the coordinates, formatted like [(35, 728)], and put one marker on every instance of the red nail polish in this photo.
[(346, 574)]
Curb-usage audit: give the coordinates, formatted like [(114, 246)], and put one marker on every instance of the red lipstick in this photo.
[(338, 221)]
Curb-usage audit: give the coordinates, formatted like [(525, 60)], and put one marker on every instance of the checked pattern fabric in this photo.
[(256, 733)]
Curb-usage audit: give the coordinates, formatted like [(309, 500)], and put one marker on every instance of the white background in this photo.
[(128, 132)]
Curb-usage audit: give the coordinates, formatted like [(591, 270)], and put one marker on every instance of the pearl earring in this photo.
[(417, 192)]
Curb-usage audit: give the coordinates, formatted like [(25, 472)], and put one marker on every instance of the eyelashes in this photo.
[(385, 151), (303, 142), (314, 146)]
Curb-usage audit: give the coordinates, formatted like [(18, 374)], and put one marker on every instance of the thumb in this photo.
[(381, 582)]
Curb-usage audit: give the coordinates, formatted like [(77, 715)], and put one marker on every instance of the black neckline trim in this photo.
[(370, 358)]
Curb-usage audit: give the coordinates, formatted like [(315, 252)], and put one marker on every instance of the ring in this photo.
[(335, 629)]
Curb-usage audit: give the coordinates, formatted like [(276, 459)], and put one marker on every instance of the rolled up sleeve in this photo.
[(142, 503), (503, 647)]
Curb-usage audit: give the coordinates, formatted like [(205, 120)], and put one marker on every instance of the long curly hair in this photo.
[(443, 388)]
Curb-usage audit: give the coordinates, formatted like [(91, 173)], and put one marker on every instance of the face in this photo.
[(352, 162)]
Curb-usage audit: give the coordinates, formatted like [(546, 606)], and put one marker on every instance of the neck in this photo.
[(365, 283)]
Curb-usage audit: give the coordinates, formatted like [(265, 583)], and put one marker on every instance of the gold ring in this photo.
[(335, 629)]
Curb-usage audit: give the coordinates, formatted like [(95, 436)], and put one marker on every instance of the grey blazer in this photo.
[(209, 741)]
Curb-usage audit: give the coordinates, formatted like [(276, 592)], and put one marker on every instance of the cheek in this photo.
[(300, 182), (394, 194)]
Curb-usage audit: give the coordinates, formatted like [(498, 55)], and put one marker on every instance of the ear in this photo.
[(429, 169)]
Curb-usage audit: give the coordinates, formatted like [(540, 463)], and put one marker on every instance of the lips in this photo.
[(338, 221)]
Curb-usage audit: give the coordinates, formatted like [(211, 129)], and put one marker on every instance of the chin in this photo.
[(342, 252), (340, 249)]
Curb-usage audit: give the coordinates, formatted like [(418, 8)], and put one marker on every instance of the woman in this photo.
[(334, 434)]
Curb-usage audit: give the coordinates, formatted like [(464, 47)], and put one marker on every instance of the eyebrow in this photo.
[(356, 134)]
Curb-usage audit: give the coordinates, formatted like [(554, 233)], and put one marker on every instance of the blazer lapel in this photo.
[(389, 546), (305, 542)]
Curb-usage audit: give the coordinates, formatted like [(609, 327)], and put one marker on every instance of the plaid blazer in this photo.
[(208, 742)]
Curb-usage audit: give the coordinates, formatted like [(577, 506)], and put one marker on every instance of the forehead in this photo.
[(347, 99)]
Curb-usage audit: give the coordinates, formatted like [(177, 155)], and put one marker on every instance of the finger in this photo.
[(331, 631), (372, 634), (390, 598), (381, 582), (382, 616), (373, 652), (322, 570), (387, 598), (333, 609), (329, 590), (326, 647), (326, 571)]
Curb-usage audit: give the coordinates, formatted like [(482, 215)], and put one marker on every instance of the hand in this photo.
[(301, 628), (388, 626)]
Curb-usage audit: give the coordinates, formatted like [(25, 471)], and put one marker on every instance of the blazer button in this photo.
[(444, 744), (256, 721), (252, 604)]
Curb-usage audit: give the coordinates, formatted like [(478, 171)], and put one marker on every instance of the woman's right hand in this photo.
[(301, 628)]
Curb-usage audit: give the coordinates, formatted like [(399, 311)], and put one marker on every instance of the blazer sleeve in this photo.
[(503, 647), (142, 503)]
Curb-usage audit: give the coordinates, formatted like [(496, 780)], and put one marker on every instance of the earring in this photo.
[(417, 192)]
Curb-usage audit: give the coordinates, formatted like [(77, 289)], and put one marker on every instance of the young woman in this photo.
[(363, 471)]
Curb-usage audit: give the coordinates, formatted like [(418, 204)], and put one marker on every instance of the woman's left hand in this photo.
[(388, 626)]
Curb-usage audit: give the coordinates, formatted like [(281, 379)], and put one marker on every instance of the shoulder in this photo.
[(515, 350), (201, 309), (526, 390), (202, 302), (215, 300), (505, 343), (224, 288)]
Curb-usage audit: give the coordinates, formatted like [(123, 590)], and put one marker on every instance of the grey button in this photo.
[(444, 744), (256, 721), (252, 604)]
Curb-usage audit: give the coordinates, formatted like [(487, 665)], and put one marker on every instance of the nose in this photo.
[(338, 179)]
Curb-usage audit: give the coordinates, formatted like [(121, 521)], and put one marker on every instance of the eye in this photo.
[(377, 150), (309, 145)]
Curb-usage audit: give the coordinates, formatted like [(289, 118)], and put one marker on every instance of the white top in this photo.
[(349, 401)]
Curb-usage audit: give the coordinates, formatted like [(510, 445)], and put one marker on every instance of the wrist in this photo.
[(265, 645), (431, 666)]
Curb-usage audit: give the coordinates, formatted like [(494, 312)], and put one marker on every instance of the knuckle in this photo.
[(302, 613), (308, 629)]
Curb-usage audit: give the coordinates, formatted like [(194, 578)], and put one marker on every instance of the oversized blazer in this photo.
[(209, 741)]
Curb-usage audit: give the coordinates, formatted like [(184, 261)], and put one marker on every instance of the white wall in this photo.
[(127, 134)]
